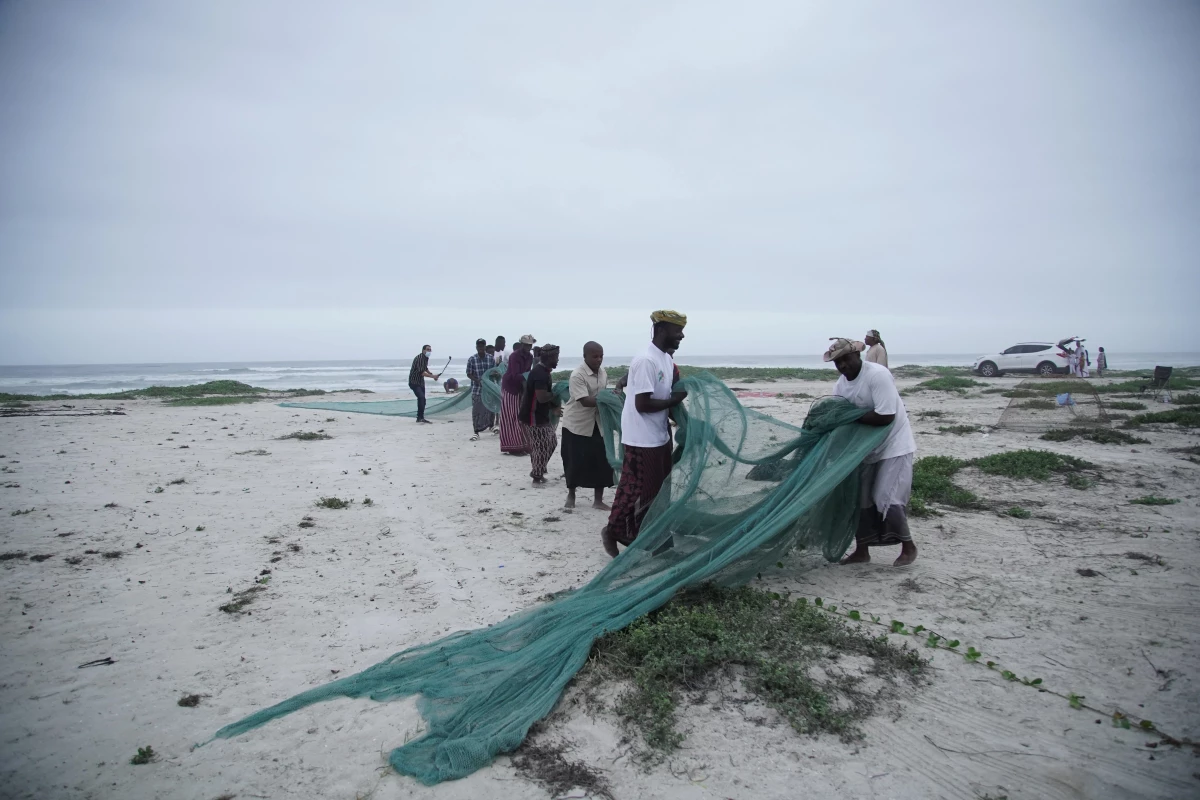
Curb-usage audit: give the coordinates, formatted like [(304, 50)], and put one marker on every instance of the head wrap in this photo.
[(874, 334), (528, 339), (666, 315), (842, 347), (549, 348)]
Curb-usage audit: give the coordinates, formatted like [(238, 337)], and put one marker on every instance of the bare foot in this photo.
[(610, 544), (908, 554), (603, 506), (859, 556), (570, 500)]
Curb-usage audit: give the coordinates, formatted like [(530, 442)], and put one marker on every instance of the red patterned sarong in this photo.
[(512, 433), (643, 472)]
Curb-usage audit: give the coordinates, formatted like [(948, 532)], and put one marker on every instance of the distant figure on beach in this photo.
[(501, 353), (1101, 362), (877, 351), (451, 385), (416, 379), (645, 430), (585, 462), (1085, 360), (512, 435), (477, 365), (885, 477), (538, 409)]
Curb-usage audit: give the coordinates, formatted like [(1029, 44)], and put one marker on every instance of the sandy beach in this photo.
[(125, 534)]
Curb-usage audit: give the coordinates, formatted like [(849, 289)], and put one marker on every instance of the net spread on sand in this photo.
[(1039, 405), (746, 489)]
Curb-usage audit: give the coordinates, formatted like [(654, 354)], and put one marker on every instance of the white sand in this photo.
[(440, 550)]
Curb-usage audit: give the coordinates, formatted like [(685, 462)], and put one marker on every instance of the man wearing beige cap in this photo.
[(885, 476), (512, 435), (876, 351)]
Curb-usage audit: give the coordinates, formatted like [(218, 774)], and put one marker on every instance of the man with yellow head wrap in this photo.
[(645, 430)]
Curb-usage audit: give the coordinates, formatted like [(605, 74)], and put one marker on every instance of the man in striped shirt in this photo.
[(477, 365), (416, 380)]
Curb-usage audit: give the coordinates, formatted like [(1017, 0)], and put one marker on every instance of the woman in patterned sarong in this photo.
[(512, 433)]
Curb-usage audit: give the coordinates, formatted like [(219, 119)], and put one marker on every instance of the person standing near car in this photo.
[(876, 350)]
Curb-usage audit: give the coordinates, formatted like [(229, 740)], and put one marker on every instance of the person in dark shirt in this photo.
[(538, 409), (416, 379)]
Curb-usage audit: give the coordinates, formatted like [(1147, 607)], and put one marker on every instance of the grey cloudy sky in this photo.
[(260, 179)]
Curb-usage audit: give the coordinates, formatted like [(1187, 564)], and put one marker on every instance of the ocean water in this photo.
[(392, 374)]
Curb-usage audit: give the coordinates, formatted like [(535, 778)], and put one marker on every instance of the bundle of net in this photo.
[(745, 490)]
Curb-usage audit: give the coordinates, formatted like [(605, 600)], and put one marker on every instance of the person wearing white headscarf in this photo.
[(877, 351)]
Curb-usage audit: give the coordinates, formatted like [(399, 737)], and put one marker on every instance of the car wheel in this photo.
[(988, 370), (1047, 368)]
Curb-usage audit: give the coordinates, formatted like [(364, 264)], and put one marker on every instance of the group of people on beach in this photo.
[(1079, 359), (530, 411)]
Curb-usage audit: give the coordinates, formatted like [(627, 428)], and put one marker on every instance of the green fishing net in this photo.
[(745, 490)]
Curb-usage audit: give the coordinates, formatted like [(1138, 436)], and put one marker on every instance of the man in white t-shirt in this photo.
[(501, 352), (645, 431), (885, 477)]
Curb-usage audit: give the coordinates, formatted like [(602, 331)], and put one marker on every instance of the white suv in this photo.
[(1039, 357)]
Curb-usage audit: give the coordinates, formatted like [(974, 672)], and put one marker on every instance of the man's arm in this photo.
[(645, 403), (876, 420), (887, 400)]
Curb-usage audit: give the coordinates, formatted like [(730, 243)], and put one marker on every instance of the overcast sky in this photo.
[(245, 179)]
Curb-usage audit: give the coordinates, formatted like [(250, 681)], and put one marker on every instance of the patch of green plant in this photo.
[(919, 371), (1185, 417), (1125, 405), (258, 452), (685, 645), (1153, 500), (932, 483), (333, 502), (1185, 400), (1099, 435), (22, 512), (1037, 465), (948, 383), (13, 555), (211, 401), (175, 392), (1180, 380), (177, 482), (931, 414), (1039, 405), (144, 755), (1018, 393), (368, 501), (1077, 481), (959, 430), (1018, 512), (305, 436)]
